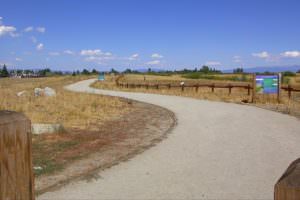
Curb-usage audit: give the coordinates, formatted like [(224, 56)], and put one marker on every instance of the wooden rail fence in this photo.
[(16, 176), (212, 86), (290, 89)]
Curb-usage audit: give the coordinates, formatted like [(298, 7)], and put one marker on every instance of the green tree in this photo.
[(85, 72), (4, 71), (94, 71), (238, 71)]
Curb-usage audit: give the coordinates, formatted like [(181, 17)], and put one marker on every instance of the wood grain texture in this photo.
[(288, 186), (16, 176)]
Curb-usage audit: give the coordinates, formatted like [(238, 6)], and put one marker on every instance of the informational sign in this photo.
[(267, 84), (101, 77)]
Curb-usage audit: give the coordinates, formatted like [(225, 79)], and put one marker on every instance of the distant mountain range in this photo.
[(293, 68)]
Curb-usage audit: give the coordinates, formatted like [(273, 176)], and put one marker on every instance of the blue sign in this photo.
[(101, 77), (267, 84)]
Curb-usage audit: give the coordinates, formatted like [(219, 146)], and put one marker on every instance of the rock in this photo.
[(22, 93), (46, 128), (38, 92), (49, 92)]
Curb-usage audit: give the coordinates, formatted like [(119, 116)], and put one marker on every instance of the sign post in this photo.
[(268, 84), (101, 77)]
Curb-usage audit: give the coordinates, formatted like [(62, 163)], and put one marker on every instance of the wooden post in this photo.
[(229, 87), (290, 91), (248, 87), (169, 86), (253, 88), (157, 86), (278, 87), (213, 87), (16, 176), (147, 86), (182, 87), (197, 87), (288, 186)]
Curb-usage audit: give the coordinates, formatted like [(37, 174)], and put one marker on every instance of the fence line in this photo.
[(212, 86)]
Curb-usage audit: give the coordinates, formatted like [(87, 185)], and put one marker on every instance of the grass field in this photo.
[(237, 96), (82, 115)]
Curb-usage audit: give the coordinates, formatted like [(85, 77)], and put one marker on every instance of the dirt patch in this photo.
[(115, 141)]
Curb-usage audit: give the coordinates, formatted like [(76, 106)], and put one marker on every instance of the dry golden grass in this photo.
[(73, 110), (238, 95)]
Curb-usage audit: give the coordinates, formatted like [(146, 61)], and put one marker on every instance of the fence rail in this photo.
[(212, 86), (290, 89)]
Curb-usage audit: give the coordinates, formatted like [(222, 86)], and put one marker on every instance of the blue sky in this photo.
[(70, 34)]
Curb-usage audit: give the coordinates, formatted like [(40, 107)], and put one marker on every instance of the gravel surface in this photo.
[(216, 151)]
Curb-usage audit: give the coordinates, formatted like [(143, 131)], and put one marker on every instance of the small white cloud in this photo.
[(54, 53), (95, 52), (263, 55), (7, 30), (40, 46), (213, 63), (28, 29), (291, 54), (41, 29), (237, 59), (134, 57), (19, 59), (153, 62), (156, 55), (69, 52)]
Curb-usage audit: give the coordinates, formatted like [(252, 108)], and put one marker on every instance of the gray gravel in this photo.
[(217, 151)]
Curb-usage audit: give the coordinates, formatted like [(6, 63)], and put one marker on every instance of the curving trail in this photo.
[(217, 151)]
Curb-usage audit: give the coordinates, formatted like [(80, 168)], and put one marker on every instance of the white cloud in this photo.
[(263, 55), (54, 53), (96, 55), (133, 57), (40, 46), (41, 29), (19, 59), (153, 62), (68, 52), (156, 55), (237, 59), (213, 63), (95, 52), (28, 29), (7, 30), (291, 54)]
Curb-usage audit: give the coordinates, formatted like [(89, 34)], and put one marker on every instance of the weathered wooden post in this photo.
[(213, 87), (16, 176), (197, 87), (169, 86), (253, 88), (248, 87), (229, 87), (289, 91), (288, 186)]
